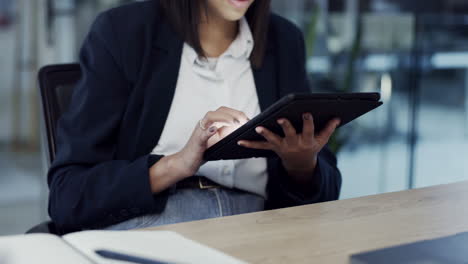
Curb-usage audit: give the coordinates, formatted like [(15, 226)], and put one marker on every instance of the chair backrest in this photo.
[(56, 83)]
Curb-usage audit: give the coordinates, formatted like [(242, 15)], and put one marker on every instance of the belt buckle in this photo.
[(203, 186)]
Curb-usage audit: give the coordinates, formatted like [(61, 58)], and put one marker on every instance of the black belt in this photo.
[(197, 182)]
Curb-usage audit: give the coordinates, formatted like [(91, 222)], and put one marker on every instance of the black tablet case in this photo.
[(324, 107)]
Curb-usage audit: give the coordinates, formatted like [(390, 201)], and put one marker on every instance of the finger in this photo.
[(255, 145), (308, 128), (289, 130), (220, 118), (269, 136), (324, 136), (205, 135), (238, 115)]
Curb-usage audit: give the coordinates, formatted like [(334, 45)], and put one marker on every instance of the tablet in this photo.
[(323, 107)]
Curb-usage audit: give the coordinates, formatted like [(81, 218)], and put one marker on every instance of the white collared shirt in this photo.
[(205, 85)]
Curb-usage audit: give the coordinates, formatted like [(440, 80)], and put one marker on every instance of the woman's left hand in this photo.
[(298, 152)]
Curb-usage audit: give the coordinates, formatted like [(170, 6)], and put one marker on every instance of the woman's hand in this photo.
[(212, 128), (298, 152)]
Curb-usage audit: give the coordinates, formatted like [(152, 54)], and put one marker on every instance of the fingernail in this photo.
[(212, 129), (258, 130), (306, 116), (280, 121), (239, 143)]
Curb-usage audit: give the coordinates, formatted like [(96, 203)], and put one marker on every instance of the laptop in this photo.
[(446, 250)]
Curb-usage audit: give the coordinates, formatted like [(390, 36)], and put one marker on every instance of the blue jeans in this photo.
[(195, 204)]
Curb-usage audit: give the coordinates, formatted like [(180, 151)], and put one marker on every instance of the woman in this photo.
[(162, 81)]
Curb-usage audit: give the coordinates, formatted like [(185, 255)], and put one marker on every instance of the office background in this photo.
[(414, 52)]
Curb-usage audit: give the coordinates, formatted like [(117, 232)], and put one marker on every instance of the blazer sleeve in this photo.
[(88, 187), (327, 184)]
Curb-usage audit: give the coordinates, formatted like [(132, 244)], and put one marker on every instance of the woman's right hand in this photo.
[(212, 128)]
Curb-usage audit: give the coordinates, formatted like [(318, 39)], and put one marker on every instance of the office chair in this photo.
[(56, 83)]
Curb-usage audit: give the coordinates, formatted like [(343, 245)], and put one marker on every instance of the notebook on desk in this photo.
[(80, 248), (446, 250)]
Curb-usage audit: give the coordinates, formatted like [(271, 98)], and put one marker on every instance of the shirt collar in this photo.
[(241, 47)]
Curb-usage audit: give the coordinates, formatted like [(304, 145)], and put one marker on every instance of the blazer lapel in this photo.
[(265, 81), (165, 63)]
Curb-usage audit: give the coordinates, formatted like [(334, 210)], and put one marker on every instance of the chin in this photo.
[(230, 10), (233, 15), (235, 9)]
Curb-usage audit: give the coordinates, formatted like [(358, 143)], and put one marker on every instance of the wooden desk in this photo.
[(331, 232)]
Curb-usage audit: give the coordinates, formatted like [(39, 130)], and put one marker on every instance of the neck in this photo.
[(216, 35)]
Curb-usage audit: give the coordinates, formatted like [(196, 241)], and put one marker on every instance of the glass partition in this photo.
[(416, 58)]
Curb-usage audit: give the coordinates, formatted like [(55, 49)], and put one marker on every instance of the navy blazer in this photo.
[(130, 62)]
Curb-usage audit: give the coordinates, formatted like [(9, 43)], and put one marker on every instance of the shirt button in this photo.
[(226, 171)]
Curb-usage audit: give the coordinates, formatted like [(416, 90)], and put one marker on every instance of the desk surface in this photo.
[(331, 232)]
